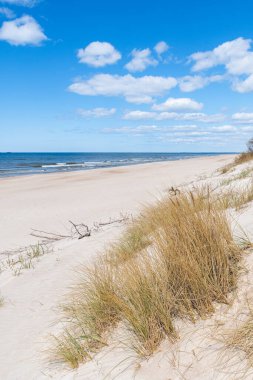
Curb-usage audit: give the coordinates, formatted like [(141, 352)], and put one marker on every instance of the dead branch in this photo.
[(48, 235), (173, 191), (110, 221), (78, 229)]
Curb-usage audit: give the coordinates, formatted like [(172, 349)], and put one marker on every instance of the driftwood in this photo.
[(48, 235), (173, 191), (79, 230)]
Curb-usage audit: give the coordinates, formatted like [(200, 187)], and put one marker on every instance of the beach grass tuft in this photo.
[(240, 159), (235, 197), (1, 300), (241, 338), (174, 261)]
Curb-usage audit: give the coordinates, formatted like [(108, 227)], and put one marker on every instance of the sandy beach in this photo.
[(47, 203)]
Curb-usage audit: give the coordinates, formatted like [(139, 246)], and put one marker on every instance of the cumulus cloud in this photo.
[(133, 89), (96, 112), (235, 56), (153, 128), (191, 83), (245, 85), (193, 140), (248, 128), (24, 3), (98, 54), (161, 47), (174, 116), (7, 12), (190, 133), (224, 128), (139, 115), (190, 116), (141, 59), (243, 117), (178, 104), (22, 31), (140, 129)]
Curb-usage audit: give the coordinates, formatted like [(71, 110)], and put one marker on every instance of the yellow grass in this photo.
[(173, 262), (243, 157), (1, 300), (241, 338), (235, 197), (246, 173), (240, 159)]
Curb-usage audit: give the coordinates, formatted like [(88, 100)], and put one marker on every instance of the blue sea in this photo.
[(16, 164)]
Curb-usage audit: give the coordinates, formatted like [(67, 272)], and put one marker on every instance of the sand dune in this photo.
[(28, 316)]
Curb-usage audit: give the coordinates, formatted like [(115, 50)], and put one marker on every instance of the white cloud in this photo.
[(248, 128), (98, 54), (139, 115), (161, 47), (178, 104), (224, 128), (192, 133), (7, 12), (244, 85), (183, 127), (24, 3), (243, 117), (141, 60), (237, 58), (194, 82), (22, 31), (133, 89), (194, 140), (144, 129), (189, 116), (194, 116), (96, 112), (232, 54), (140, 129)]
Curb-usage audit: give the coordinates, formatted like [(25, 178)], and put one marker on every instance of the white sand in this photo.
[(47, 202)]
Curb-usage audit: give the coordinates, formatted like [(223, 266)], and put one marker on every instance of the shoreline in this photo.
[(35, 175), (48, 202)]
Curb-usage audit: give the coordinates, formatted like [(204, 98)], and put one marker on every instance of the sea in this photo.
[(18, 164)]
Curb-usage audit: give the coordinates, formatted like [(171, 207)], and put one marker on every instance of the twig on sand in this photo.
[(48, 235), (81, 229), (173, 191), (123, 218)]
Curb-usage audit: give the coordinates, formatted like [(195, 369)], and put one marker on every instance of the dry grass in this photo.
[(241, 338), (240, 159), (246, 173), (25, 260), (243, 157), (1, 300), (235, 197), (175, 261)]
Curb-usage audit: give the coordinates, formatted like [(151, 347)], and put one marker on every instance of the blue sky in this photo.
[(126, 76)]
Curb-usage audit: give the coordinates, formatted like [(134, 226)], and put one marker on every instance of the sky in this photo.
[(135, 76)]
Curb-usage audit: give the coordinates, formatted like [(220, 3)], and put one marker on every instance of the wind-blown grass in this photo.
[(243, 157), (174, 261), (1, 300), (241, 338), (235, 197), (240, 159), (246, 173)]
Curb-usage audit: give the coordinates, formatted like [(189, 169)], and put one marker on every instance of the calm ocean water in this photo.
[(13, 164)]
